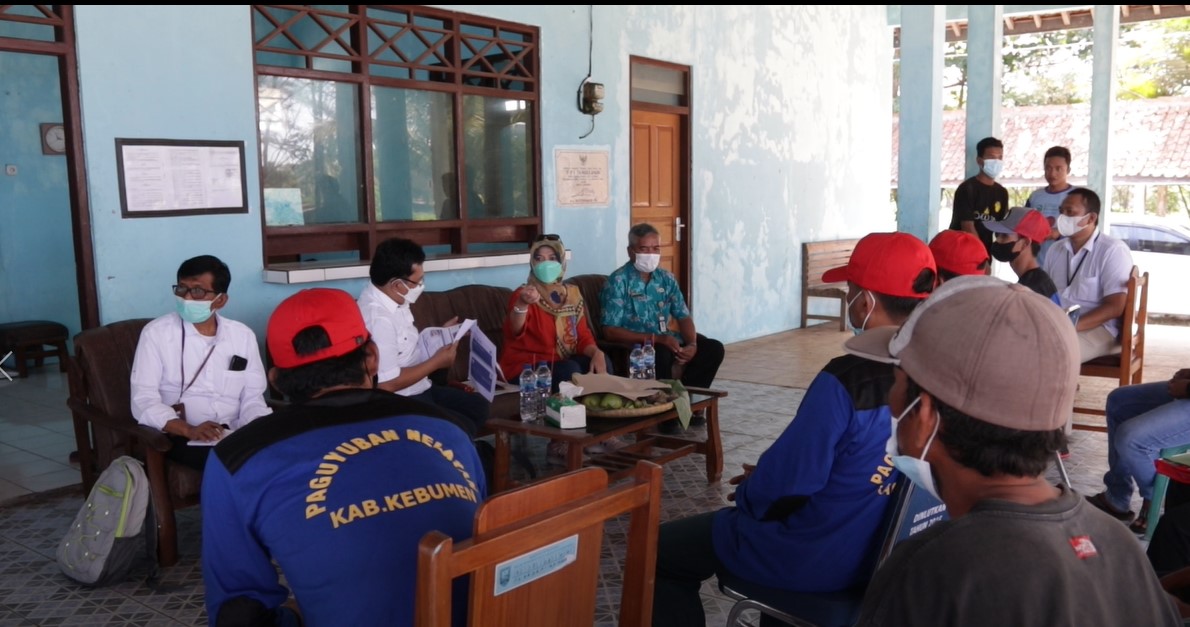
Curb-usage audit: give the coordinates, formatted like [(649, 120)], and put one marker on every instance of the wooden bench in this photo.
[(29, 339), (818, 257)]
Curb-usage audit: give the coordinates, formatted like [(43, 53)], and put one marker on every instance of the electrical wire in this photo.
[(590, 56)]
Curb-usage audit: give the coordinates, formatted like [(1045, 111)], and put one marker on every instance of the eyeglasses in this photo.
[(196, 292), (553, 237), (411, 284)]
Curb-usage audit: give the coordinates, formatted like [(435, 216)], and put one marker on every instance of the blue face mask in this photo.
[(916, 469), (193, 311), (547, 271), (993, 167)]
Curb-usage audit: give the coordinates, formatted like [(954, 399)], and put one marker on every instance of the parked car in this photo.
[(1161, 247)]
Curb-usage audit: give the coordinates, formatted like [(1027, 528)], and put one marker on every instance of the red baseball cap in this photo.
[(333, 310), (959, 252), (887, 263), (1029, 223)]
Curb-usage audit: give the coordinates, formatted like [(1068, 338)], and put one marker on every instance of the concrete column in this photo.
[(919, 170), (985, 36), (1103, 95)]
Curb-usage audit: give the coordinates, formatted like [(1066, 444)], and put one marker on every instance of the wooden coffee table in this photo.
[(656, 447)]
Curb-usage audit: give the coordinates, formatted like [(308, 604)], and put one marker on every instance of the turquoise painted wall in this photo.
[(792, 113), (37, 269)]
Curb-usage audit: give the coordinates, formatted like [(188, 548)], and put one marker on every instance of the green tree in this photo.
[(1156, 59)]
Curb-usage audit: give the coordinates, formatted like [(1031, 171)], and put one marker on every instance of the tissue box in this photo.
[(564, 413)]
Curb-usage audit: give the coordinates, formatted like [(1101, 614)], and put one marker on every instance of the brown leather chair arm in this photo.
[(151, 437)]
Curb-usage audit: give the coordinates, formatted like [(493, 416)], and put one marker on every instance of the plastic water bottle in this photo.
[(636, 362), (529, 394), (545, 380), (649, 360)]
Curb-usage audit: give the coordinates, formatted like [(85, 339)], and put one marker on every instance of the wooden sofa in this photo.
[(488, 305)]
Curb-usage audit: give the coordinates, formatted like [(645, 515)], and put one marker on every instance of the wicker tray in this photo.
[(634, 412)]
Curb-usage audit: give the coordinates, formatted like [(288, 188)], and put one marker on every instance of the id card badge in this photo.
[(179, 410)]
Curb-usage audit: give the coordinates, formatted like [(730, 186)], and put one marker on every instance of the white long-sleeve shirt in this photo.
[(396, 336), (219, 394)]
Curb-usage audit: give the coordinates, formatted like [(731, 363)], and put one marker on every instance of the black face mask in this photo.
[(1003, 251)]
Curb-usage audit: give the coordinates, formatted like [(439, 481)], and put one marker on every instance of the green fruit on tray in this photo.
[(611, 401), (592, 401)]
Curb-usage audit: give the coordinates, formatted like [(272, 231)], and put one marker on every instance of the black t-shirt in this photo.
[(1040, 282), (978, 202)]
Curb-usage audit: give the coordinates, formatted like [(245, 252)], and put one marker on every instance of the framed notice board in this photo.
[(180, 177)]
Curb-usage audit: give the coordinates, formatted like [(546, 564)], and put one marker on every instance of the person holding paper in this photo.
[(397, 279), (547, 320)]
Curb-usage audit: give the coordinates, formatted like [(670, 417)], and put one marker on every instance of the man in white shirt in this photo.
[(1091, 270), (397, 279), (197, 374)]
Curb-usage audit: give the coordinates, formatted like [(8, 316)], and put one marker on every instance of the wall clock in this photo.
[(53, 138)]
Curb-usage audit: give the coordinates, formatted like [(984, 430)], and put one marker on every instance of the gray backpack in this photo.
[(114, 527)]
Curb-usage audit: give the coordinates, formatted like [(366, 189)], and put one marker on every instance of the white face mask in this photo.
[(647, 262), (915, 469), (1069, 225), (412, 293), (863, 325)]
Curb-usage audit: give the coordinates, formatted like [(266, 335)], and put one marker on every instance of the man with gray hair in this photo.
[(985, 377), (639, 300)]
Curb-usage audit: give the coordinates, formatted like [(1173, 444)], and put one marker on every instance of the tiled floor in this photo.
[(765, 378)]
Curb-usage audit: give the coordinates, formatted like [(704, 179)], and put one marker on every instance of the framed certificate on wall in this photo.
[(176, 177)]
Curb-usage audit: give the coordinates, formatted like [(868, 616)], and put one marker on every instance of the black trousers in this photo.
[(182, 453), (685, 558), (698, 372)]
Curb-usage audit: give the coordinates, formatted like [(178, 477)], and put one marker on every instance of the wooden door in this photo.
[(657, 196)]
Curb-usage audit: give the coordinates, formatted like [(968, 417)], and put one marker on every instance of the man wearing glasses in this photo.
[(397, 280), (196, 374)]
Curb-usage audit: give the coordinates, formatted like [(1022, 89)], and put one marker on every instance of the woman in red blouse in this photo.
[(547, 320)]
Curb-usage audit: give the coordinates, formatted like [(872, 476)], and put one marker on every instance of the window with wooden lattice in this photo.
[(395, 120)]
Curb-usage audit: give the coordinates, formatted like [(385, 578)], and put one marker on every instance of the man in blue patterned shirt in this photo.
[(638, 302)]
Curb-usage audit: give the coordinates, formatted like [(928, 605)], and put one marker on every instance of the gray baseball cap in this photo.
[(996, 351)]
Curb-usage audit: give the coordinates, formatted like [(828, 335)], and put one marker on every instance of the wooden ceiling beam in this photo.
[(1062, 20)]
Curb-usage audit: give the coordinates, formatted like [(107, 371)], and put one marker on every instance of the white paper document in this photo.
[(432, 339), (226, 432)]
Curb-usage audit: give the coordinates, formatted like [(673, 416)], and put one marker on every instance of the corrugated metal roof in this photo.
[(1151, 142)]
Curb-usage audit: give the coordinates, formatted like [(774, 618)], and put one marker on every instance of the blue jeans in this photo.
[(1141, 420)]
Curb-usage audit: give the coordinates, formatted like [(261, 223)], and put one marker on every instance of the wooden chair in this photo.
[(1127, 366), (818, 257), (553, 529), (104, 429)]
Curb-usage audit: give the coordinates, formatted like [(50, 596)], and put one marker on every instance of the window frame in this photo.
[(283, 245)]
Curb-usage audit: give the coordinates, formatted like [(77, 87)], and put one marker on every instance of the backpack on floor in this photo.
[(114, 527)]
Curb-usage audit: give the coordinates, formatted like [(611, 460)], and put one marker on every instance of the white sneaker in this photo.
[(614, 443)]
